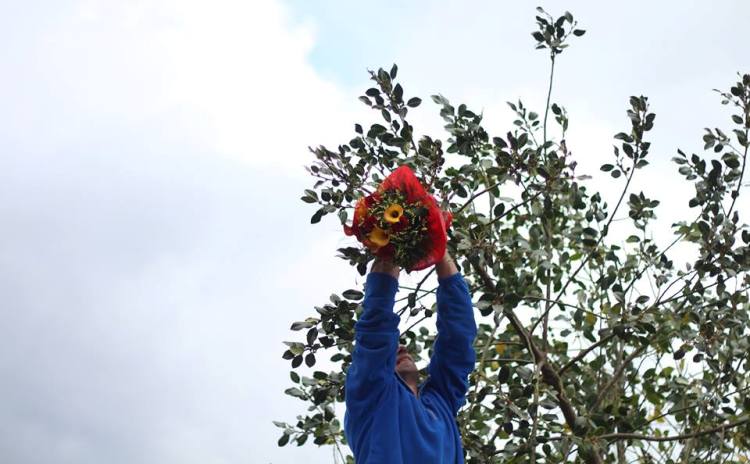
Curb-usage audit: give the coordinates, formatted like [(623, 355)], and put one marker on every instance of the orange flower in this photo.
[(360, 209), (393, 213), (379, 237)]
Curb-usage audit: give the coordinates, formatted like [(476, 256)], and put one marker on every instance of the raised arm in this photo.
[(376, 340), (453, 356)]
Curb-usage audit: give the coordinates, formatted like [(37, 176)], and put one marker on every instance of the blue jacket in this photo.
[(385, 423)]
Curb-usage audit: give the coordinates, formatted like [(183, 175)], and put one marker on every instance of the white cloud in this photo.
[(151, 229), (227, 77)]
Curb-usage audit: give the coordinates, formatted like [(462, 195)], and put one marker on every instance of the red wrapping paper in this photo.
[(433, 244)]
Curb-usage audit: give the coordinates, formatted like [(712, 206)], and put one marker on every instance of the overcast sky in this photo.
[(153, 248)]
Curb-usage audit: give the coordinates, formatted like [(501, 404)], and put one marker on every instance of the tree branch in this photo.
[(616, 375), (583, 353), (549, 375), (700, 433), (592, 252)]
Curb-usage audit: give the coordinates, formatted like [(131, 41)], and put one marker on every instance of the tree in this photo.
[(626, 356)]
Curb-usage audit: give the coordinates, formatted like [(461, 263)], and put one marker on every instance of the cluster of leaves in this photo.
[(589, 349), (553, 33)]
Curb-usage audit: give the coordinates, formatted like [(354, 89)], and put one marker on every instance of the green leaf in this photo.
[(296, 347), (414, 102), (578, 32), (375, 130), (384, 76), (547, 403), (398, 92), (295, 392), (628, 149), (302, 325), (440, 100), (503, 375), (704, 227), (283, 440), (590, 231), (352, 295), (312, 335), (316, 217), (731, 160), (499, 209)]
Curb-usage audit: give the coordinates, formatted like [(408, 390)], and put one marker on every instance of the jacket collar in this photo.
[(420, 387)]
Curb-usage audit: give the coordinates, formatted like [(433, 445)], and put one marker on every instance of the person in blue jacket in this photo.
[(390, 417)]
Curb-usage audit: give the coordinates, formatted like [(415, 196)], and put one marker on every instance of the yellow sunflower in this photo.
[(379, 237), (393, 213)]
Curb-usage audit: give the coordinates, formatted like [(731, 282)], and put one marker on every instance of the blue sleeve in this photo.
[(453, 356), (376, 341)]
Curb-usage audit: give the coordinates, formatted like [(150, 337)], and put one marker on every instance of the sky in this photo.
[(153, 248)]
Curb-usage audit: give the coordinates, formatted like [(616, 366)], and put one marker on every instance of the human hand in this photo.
[(446, 267), (386, 266)]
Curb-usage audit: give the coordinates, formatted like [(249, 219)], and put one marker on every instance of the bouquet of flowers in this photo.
[(401, 222)]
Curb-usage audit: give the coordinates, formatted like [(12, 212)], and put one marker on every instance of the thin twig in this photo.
[(583, 353), (700, 433)]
